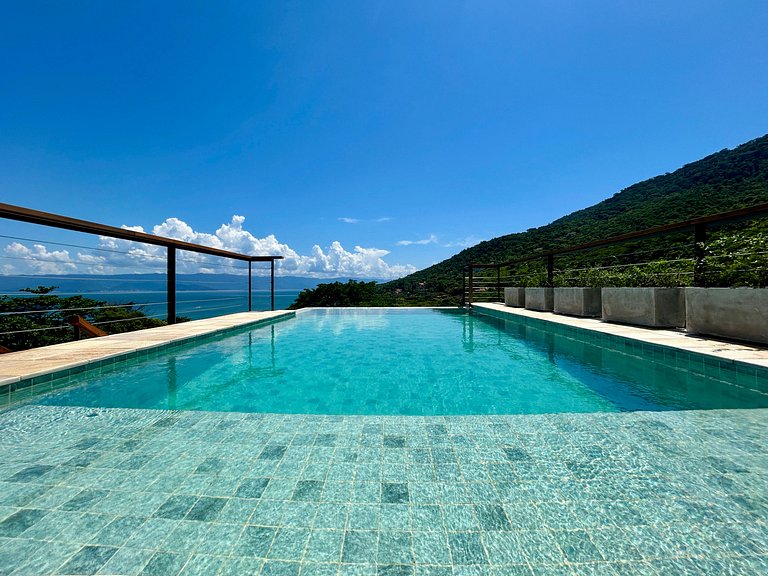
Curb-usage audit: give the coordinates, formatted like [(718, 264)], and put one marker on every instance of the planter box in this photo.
[(514, 297), (584, 302), (656, 307), (738, 313), (540, 299)]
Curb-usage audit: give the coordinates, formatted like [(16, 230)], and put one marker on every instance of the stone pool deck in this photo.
[(16, 366)]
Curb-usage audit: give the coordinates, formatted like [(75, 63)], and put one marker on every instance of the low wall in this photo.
[(655, 307), (514, 297), (584, 302), (540, 299), (738, 313)]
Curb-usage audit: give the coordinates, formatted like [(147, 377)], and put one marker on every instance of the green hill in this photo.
[(723, 181)]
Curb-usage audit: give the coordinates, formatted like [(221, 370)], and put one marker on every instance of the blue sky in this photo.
[(407, 129)]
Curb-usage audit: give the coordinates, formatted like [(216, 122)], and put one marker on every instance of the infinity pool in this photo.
[(404, 362), (190, 462)]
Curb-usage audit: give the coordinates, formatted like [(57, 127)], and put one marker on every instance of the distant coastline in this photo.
[(198, 295)]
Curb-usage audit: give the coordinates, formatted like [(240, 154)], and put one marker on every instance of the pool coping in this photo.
[(48, 362)]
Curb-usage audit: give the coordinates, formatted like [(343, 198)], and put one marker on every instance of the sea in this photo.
[(196, 304)]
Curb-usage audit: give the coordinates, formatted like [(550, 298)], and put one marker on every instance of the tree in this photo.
[(41, 319)]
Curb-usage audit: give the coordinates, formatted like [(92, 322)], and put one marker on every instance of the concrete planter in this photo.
[(738, 313), (584, 302), (656, 307), (540, 299), (514, 297)]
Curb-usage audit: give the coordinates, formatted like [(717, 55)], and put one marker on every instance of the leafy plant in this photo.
[(41, 319), (739, 259)]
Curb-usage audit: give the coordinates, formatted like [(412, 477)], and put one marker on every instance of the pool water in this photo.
[(91, 485), (401, 362)]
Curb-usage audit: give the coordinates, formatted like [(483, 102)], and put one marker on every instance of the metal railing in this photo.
[(171, 245), (489, 287)]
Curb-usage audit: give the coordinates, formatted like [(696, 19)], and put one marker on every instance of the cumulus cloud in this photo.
[(38, 259), (119, 256), (432, 239)]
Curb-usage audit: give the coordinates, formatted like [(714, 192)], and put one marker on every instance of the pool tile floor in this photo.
[(117, 491)]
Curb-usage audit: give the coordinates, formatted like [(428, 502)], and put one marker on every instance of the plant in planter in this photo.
[(645, 294), (735, 303)]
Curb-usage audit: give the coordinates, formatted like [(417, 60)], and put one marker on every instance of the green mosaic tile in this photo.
[(466, 548), (88, 560), (359, 547)]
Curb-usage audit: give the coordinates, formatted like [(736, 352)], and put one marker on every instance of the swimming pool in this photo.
[(662, 490), (425, 362)]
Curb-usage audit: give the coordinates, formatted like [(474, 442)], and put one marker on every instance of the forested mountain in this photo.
[(723, 181)]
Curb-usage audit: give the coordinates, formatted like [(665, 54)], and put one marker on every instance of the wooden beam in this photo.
[(85, 327), (65, 222)]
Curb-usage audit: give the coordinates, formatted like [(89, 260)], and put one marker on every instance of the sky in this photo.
[(361, 139)]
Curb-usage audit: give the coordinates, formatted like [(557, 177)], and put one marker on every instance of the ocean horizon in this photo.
[(192, 304)]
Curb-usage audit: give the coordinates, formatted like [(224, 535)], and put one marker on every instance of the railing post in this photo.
[(463, 289), (498, 283), (250, 280), (471, 285), (551, 270), (699, 238), (171, 284), (272, 284)]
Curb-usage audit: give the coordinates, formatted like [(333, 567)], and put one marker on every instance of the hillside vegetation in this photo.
[(723, 181)]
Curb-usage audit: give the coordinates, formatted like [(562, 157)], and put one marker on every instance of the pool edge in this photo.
[(64, 361)]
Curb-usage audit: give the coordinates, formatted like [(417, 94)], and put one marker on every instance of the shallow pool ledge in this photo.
[(736, 352), (16, 366)]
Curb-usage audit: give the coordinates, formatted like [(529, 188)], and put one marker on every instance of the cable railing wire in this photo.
[(127, 305), (33, 330), (135, 318)]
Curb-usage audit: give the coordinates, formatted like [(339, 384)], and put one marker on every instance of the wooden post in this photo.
[(463, 289), (550, 270), (699, 271), (272, 284), (471, 286), (171, 284), (250, 280)]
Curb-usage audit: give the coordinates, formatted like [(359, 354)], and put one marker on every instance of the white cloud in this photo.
[(359, 220), (464, 242), (431, 240), (37, 260), (121, 256)]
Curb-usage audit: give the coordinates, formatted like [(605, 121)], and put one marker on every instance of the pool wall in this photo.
[(742, 373), (13, 391)]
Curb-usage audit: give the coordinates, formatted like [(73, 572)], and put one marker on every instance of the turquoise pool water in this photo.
[(649, 489), (402, 362)]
